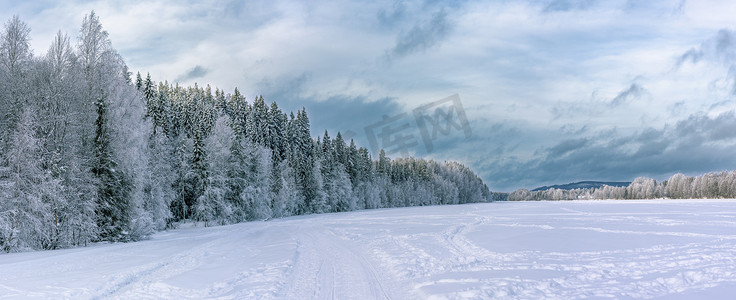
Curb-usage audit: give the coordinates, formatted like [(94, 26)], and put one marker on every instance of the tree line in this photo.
[(712, 185), (90, 153)]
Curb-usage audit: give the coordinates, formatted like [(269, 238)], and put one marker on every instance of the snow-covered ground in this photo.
[(665, 249)]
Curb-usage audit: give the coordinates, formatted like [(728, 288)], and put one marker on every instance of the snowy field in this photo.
[(578, 249)]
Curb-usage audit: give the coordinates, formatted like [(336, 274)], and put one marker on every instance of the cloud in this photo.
[(422, 36), (719, 49), (572, 129), (702, 127), (633, 92), (567, 5), (566, 147), (552, 89), (338, 112), (196, 72), (285, 88), (697, 144), (676, 108), (389, 18)]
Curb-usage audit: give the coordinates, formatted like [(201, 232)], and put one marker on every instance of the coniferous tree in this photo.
[(113, 189), (302, 160), (276, 130)]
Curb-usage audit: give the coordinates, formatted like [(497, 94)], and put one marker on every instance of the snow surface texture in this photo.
[(666, 249)]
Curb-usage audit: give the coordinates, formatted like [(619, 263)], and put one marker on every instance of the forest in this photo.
[(90, 152), (714, 185)]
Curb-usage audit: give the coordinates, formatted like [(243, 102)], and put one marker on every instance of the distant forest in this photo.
[(89, 152), (679, 186)]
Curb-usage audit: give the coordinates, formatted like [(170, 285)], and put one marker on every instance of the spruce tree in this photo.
[(113, 187), (304, 159)]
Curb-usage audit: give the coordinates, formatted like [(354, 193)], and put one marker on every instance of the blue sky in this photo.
[(554, 91)]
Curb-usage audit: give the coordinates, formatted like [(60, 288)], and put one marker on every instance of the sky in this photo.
[(525, 93)]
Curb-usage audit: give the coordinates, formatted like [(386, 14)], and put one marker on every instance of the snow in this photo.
[(665, 249)]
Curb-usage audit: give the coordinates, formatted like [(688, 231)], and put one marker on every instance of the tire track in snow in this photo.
[(146, 280), (327, 267), (146, 274), (470, 256)]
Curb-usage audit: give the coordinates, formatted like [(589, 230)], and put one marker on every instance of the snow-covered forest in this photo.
[(707, 186), (89, 152)]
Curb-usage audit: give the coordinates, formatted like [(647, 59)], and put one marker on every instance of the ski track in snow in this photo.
[(530, 250)]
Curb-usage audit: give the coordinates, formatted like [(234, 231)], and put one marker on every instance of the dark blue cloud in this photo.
[(565, 147), (348, 114), (196, 72), (694, 145)]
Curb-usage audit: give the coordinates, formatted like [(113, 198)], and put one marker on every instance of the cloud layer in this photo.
[(554, 90)]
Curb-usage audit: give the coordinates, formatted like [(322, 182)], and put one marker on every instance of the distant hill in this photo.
[(583, 185)]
